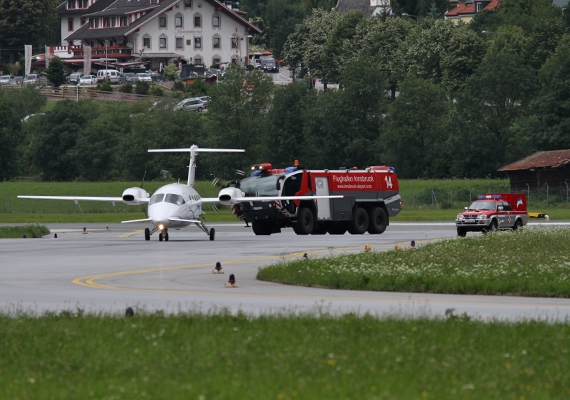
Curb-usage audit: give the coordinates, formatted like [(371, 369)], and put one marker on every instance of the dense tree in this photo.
[(9, 138), (413, 132), (52, 146), (56, 72)]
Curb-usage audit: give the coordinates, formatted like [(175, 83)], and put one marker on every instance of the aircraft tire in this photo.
[(147, 234), (212, 234), (166, 237), (160, 237)]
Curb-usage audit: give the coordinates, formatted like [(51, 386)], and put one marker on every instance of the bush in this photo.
[(126, 88), (105, 86), (178, 86), (142, 87), (198, 88), (157, 90)]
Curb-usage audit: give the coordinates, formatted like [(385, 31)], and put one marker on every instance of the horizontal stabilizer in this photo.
[(136, 220)]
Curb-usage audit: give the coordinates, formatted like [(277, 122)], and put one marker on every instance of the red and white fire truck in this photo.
[(491, 212), (370, 198)]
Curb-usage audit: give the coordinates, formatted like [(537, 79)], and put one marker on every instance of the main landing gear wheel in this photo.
[(147, 234), (160, 237), (212, 234), (166, 236)]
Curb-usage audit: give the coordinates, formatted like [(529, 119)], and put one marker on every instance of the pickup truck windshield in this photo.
[(483, 205), (259, 186)]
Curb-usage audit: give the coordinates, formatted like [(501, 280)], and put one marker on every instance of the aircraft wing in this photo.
[(136, 220), (195, 221), (209, 200), (81, 198)]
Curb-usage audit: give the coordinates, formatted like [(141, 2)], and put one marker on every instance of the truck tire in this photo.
[(377, 221), (359, 223), (461, 232), (319, 229), (305, 221), (492, 227), (260, 229), (518, 225), (337, 229)]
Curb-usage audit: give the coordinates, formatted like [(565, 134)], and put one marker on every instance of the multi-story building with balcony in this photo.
[(153, 32)]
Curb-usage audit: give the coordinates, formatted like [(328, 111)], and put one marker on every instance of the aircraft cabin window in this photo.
[(157, 198), (174, 199)]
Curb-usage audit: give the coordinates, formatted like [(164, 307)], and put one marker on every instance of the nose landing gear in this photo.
[(163, 235)]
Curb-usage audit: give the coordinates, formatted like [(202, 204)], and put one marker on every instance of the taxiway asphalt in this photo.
[(112, 267)]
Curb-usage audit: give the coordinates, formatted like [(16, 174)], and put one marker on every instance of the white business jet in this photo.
[(177, 205)]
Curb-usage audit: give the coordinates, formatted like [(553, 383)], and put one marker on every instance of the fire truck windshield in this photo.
[(257, 186), (483, 205)]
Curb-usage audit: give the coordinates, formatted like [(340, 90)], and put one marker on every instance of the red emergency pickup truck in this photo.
[(491, 212)]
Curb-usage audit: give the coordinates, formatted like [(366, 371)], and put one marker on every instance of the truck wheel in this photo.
[(492, 227), (359, 223), (377, 221), (518, 225), (461, 232), (319, 229), (337, 229), (305, 221), (261, 229)]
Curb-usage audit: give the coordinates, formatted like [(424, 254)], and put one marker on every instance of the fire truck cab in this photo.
[(370, 197), (491, 212)]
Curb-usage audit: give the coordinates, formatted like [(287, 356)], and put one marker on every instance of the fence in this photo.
[(83, 93)]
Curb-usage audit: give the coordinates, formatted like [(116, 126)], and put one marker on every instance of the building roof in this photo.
[(541, 159), (122, 7), (344, 6), (97, 6), (469, 8)]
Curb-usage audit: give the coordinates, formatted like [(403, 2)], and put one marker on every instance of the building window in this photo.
[(179, 42), (188, 42), (197, 42), (216, 42), (178, 22), (216, 60), (479, 7), (188, 3), (70, 4), (113, 21), (82, 21), (216, 21), (234, 42), (197, 21), (162, 22), (70, 24), (106, 22), (197, 61), (146, 42), (162, 42)]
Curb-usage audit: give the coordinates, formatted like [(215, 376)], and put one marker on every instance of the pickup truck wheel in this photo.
[(359, 223), (493, 227), (377, 221), (305, 221), (461, 232), (337, 229), (518, 225), (261, 229)]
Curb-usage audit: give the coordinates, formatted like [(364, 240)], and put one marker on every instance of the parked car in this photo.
[(156, 77), (205, 100), (31, 79), (5, 79), (88, 80), (191, 104), (112, 75), (17, 80), (131, 77), (144, 77), (73, 79)]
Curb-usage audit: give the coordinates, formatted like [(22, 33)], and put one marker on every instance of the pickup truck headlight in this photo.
[(482, 216), (460, 217)]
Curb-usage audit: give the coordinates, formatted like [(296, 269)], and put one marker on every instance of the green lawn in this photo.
[(30, 231), (532, 262), (220, 356)]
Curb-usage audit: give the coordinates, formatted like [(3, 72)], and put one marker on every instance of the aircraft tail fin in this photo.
[(194, 150)]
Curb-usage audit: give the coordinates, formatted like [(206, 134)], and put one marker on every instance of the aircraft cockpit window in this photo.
[(157, 198), (174, 199)]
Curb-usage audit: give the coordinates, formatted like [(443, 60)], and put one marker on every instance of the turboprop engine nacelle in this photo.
[(132, 195), (227, 195)]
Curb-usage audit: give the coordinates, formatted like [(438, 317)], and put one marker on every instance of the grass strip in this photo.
[(531, 262), (217, 356), (31, 231)]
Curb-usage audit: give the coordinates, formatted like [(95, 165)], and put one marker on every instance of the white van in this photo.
[(111, 74)]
